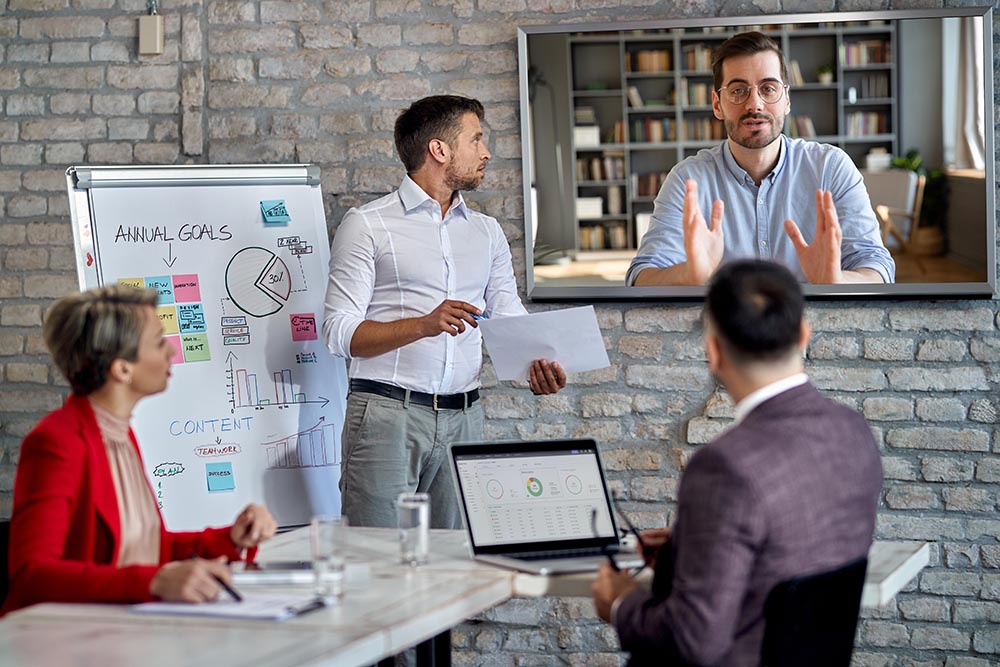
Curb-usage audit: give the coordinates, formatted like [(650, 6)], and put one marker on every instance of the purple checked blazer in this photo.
[(790, 491)]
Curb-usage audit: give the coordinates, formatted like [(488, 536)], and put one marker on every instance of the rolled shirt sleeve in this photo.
[(351, 282)]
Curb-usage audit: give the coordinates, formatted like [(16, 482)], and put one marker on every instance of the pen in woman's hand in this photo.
[(222, 582)]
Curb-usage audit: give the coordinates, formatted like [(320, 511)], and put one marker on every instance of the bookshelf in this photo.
[(641, 103)]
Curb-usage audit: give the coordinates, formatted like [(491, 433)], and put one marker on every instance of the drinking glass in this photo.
[(328, 540), (413, 511)]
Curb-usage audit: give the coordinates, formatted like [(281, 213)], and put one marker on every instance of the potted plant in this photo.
[(824, 74)]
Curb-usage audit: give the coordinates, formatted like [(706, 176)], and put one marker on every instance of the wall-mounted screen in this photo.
[(616, 117)]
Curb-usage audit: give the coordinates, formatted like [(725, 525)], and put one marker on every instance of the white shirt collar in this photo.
[(753, 399), (413, 196)]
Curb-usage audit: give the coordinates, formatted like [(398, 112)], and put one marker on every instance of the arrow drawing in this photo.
[(170, 254)]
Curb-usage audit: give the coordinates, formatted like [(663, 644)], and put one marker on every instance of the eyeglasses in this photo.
[(769, 91)]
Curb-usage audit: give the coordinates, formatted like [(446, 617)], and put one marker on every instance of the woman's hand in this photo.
[(253, 525), (190, 580)]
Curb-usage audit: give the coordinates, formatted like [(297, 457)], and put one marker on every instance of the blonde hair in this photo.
[(86, 332)]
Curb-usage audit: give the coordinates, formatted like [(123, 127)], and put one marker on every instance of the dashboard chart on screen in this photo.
[(239, 257), (534, 497)]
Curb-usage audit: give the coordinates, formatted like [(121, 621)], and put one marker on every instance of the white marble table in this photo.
[(386, 610), (891, 565)]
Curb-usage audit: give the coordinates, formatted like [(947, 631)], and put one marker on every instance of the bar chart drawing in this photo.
[(273, 389), (314, 447)]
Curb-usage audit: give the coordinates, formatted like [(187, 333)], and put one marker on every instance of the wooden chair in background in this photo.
[(897, 196)]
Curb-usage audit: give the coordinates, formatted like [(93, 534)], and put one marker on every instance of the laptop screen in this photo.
[(530, 493)]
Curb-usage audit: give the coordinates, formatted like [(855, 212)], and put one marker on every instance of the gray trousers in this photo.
[(390, 446)]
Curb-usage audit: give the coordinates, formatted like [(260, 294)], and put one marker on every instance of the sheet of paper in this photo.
[(255, 606), (570, 336)]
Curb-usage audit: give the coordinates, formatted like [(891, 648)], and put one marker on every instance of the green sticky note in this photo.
[(195, 347), (275, 212)]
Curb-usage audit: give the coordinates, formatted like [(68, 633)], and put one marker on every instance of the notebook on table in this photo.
[(539, 506)]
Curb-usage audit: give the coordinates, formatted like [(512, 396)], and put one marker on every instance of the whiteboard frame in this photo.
[(80, 180)]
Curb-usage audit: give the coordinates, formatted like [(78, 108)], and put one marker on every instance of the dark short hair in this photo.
[(756, 310), (745, 44), (86, 332), (434, 117)]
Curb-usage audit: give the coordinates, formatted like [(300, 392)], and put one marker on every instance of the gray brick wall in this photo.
[(321, 81)]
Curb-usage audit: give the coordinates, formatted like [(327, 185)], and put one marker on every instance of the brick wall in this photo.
[(321, 82)]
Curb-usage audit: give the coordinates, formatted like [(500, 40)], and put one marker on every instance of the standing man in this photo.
[(410, 273), (790, 490), (770, 184)]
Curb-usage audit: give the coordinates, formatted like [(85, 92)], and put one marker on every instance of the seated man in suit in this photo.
[(791, 489)]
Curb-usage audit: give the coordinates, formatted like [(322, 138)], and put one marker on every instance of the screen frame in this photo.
[(590, 293), (527, 448)]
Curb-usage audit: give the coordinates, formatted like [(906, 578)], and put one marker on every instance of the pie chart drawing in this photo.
[(258, 281)]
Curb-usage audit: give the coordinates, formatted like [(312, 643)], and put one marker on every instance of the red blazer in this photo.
[(65, 528)]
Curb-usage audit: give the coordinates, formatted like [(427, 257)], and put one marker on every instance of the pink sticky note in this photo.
[(178, 357), (186, 288), (303, 326)]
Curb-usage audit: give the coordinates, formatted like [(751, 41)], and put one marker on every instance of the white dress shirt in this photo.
[(395, 258), (755, 398)]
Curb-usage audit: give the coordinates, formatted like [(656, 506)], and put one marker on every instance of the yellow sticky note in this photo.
[(168, 317)]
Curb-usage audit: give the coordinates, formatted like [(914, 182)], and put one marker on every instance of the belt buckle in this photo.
[(435, 404)]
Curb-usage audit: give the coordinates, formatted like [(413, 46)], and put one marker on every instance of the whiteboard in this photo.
[(255, 404)]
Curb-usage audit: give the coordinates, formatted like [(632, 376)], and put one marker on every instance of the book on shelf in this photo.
[(865, 52), (635, 97), (592, 237), (584, 116), (647, 185), (649, 60), (875, 86), (867, 123), (702, 129), (796, 73), (589, 208), (614, 200), (653, 130), (585, 136), (617, 236), (801, 126), (695, 93), (697, 57), (610, 166)]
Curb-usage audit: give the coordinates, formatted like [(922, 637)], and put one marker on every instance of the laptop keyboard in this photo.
[(563, 553)]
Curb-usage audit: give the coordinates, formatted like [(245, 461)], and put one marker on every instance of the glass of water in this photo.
[(328, 540), (413, 511)]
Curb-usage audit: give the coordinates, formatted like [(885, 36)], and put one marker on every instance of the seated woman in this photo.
[(85, 524)]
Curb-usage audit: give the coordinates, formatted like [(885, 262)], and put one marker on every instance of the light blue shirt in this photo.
[(753, 222)]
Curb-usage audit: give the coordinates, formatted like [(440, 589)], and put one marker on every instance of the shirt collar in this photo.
[(740, 174), (753, 399), (413, 197)]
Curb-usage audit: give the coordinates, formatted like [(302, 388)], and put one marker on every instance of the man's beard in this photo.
[(462, 182), (759, 138)]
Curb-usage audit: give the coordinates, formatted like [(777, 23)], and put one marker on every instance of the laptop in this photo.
[(540, 506)]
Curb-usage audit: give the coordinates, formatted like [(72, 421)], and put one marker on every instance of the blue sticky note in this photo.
[(220, 476), (274, 212)]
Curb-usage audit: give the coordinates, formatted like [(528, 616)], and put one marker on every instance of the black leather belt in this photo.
[(436, 401)]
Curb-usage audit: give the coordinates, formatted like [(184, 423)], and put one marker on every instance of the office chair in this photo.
[(4, 550), (897, 197), (811, 620)]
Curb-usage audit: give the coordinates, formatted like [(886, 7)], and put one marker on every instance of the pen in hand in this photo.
[(604, 547), (226, 587), (643, 549)]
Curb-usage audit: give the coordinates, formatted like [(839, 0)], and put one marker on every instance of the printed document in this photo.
[(570, 337), (255, 606)]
